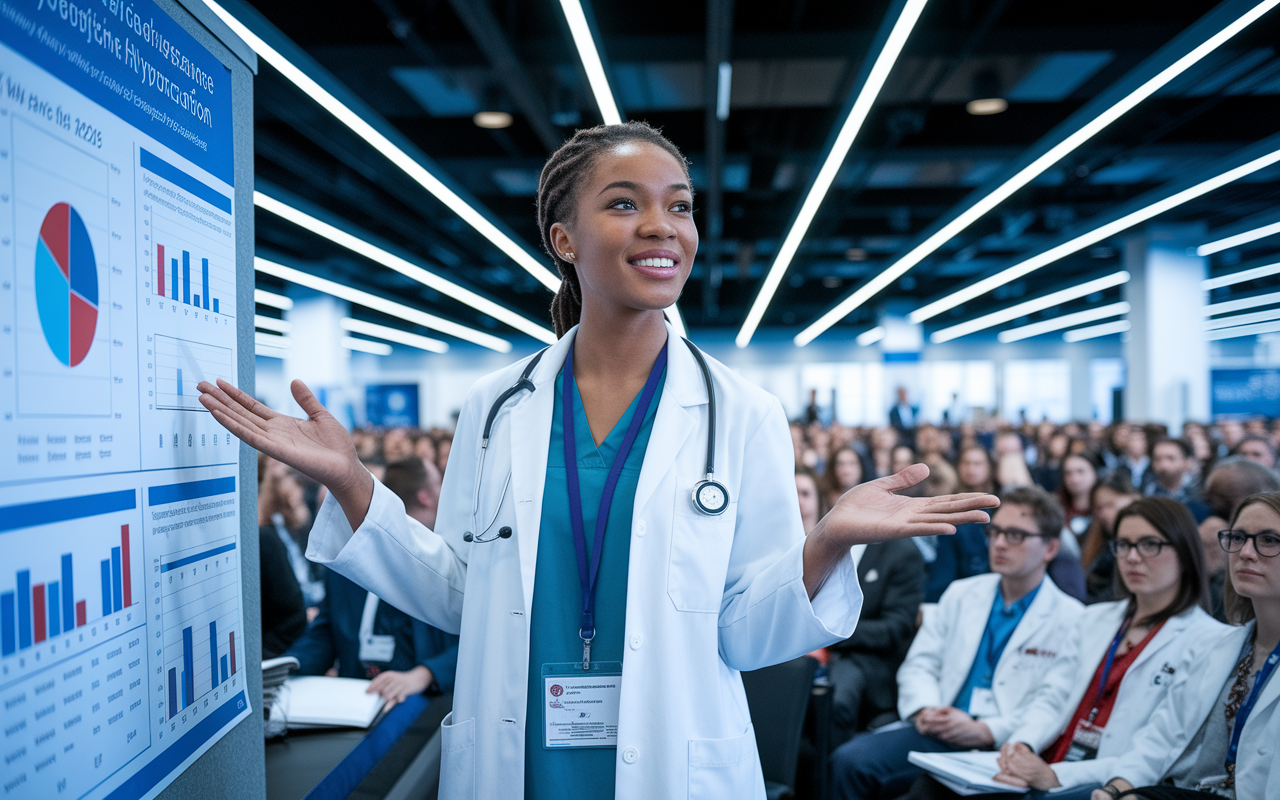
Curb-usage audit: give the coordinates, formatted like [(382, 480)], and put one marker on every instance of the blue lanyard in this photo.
[(587, 575), (1242, 715), (1106, 669)]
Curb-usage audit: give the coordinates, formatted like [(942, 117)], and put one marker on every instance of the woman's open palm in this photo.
[(318, 446), (871, 512)]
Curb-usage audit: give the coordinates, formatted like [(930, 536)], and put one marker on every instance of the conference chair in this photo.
[(778, 697)]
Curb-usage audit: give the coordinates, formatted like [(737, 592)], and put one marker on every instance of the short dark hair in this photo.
[(1044, 508), (1253, 437), (1176, 523), (1181, 444), (1240, 609), (405, 479)]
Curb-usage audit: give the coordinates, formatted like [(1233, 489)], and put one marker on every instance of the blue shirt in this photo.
[(1001, 624), (585, 773)]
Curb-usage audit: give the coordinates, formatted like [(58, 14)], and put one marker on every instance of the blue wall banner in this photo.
[(1245, 392), (391, 405)]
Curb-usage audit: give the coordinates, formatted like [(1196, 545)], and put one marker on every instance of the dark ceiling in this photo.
[(426, 68)]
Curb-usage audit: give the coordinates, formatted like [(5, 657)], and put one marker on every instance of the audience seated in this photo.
[(994, 661), (1229, 483), (1216, 731)]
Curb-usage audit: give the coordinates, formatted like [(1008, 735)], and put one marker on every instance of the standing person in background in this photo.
[(903, 415)]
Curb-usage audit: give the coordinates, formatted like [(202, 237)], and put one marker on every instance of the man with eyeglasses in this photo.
[(993, 662)]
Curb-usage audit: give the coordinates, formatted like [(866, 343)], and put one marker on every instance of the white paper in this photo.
[(581, 711), (965, 773), (318, 700)]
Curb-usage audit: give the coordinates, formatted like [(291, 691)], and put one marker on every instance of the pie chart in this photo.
[(66, 284)]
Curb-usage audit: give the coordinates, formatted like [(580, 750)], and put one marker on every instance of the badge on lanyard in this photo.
[(377, 649), (580, 709), (1084, 742)]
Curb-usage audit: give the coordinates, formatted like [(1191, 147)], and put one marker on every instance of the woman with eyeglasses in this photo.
[(1217, 731)]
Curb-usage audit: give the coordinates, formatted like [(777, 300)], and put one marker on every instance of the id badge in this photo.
[(982, 703), (580, 707), (377, 649), (1084, 743)]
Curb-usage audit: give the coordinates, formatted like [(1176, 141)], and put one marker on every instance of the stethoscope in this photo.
[(709, 495)]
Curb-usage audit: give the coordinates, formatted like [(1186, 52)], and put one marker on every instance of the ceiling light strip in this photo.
[(272, 299), (366, 346), (870, 337), (1031, 171), (272, 324), (269, 352), (1241, 319), (1209, 248), (1092, 236), (862, 104), (1241, 277), (272, 340), (393, 335), (1029, 307), (358, 244), (591, 63), (1229, 306), (382, 304), (1094, 331), (390, 150), (1065, 321), (1243, 330)]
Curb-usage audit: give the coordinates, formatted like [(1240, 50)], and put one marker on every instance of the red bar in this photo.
[(80, 615), (160, 269), (233, 652), (37, 609), (124, 558)]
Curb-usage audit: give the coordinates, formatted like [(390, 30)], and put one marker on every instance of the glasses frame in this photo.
[(1224, 536), (1014, 536), (1116, 545)]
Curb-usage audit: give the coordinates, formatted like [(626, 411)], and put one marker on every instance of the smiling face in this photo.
[(631, 235)]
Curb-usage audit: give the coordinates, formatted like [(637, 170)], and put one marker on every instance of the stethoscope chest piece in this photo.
[(710, 497)]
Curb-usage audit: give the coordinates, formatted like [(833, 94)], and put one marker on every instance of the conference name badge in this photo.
[(580, 707)]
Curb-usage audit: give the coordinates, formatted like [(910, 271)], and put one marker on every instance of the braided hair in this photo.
[(558, 194)]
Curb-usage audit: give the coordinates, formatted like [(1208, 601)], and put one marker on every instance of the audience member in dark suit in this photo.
[(864, 667), (371, 639), (284, 613), (903, 415)]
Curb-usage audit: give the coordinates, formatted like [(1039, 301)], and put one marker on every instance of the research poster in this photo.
[(122, 654)]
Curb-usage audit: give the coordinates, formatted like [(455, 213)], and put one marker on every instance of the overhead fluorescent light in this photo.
[(272, 299), (272, 340), (1029, 307), (389, 307), (880, 69), (1240, 277), (725, 77), (1239, 305), (1241, 319), (1094, 331), (1029, 173), (1065, 321), (427, 278), (591, 64), (1243, 330), (1209, 248), (272, 324), (870, 337), (420, 174), (269, 352), (394, 335), (1090, 237), (366, 346)]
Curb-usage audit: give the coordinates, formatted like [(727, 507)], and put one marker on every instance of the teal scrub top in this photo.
[(585, 773)]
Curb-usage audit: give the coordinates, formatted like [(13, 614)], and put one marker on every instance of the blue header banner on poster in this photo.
[(392, 405), (133, 59), (1245, 392)]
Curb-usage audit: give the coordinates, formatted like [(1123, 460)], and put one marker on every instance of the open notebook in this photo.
[(318, 701), (964, 773)]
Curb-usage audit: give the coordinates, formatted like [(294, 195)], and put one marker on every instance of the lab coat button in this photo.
[(636, 641), (640, 527), (630, 755)]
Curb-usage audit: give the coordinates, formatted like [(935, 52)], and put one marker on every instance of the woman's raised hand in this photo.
[(871, 512), (318, 446)]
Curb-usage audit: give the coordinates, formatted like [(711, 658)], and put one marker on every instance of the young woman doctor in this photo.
[(582, 538)]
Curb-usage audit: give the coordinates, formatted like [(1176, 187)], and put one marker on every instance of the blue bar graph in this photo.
[(215, 305), (213, 654), (188, 669), (8, 641), (48, 511), (191, 490), (68, 595), (179, 392), (191, 559), (24, 608), (174, 282), (186, 277), (204, 271), (173, 692), (117, 581), (106, 586), (55, 623), (195, 301), (224, 669)]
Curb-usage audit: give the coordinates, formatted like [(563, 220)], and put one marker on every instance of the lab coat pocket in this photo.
[(457, 757), (724, 768), (700, 546)]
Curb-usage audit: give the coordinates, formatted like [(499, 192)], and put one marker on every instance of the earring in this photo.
[(568, 256)]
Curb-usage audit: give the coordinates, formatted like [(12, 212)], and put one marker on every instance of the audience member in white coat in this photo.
[(994, 662), (1131, 651), (1217, 732)]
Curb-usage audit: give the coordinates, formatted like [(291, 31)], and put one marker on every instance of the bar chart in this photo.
[(179, 365)]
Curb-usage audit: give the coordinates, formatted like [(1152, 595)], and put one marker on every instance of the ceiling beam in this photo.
[(719, 37)]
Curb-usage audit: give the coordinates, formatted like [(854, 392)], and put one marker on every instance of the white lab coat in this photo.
[(1034, 672), (1166, 657), (706, 597), (1190, 700)]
